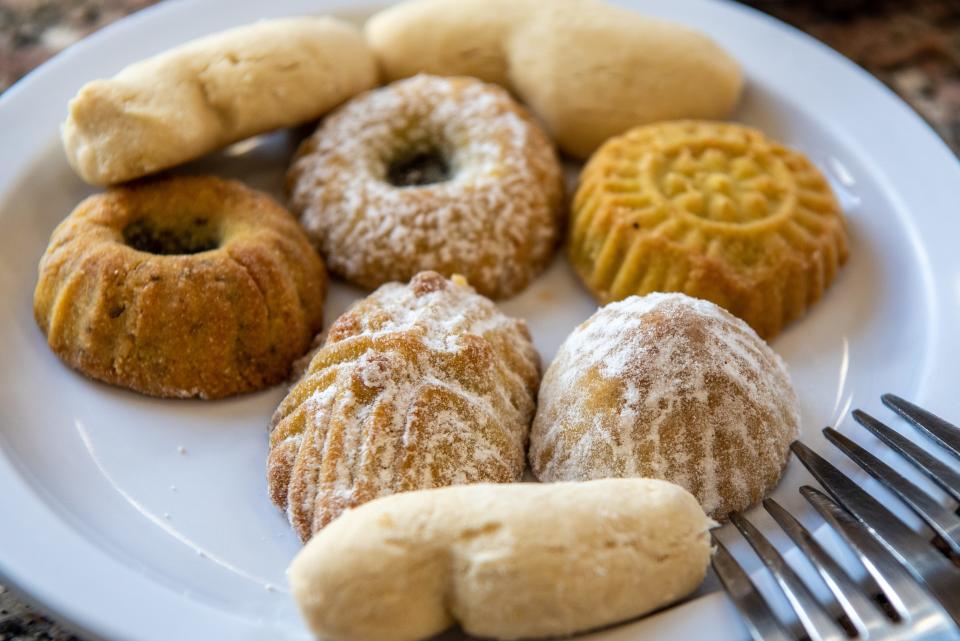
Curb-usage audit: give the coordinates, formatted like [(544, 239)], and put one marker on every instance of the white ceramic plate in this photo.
[(107, 525)]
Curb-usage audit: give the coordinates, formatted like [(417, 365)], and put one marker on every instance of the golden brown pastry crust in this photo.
[(417, 386), (715, 210), (208, 324), (495, 220)]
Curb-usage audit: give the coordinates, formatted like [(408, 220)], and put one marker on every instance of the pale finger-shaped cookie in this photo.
[(504, 561), (213, 91)]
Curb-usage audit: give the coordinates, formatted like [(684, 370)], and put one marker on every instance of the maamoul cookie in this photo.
[(588, 69), (192, 286), (670, 387), (213, 91), (443, 174), (714, 210), (417, 386), (508, 561)]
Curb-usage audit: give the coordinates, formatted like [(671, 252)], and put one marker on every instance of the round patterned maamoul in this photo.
[(715, 210), (210, 92), (495, 220), (587, 69), (670, 387), (182, 287), (417, 386)]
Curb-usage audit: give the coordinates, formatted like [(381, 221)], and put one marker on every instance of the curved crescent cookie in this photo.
[(715, 210), (588, 69), (417, 386)]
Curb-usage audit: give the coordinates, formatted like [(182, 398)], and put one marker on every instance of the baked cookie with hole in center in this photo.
[(181, 287), (715, 210), (429, 173)]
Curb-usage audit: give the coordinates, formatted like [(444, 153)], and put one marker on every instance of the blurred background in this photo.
[(911, 45)]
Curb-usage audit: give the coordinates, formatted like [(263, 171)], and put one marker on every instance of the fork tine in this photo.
[(760, 621), (941, 520), (946, 434), (862, 612), (936, 470), (906, 595), (914, 552), (814, 618)]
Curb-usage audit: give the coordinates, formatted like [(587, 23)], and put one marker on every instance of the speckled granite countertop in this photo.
[(912, 45)]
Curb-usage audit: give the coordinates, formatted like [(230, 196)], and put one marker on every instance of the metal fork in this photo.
[(912, 589)]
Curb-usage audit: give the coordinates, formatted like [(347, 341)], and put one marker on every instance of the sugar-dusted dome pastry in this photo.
[(670, 387), (442, 174), (715, 210), (588, 69), (417, 386), (190, 286)]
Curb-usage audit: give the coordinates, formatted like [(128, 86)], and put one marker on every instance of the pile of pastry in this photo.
[(396, 452)]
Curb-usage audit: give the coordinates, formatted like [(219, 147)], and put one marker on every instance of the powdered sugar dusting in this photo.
[(671, 387), (417, 386), (495, 220)]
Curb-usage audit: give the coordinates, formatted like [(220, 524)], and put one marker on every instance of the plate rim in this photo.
[(82, 608)]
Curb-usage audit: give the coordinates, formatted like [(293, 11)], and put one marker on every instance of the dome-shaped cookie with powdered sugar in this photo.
[(670, 387), (417, 386)]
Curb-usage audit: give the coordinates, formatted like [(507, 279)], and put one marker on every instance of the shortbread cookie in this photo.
[(670, 387), (213, 91), (513, 561), (417, 386), (442, 174), (189, 286), (714, 210), (588, 69)]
